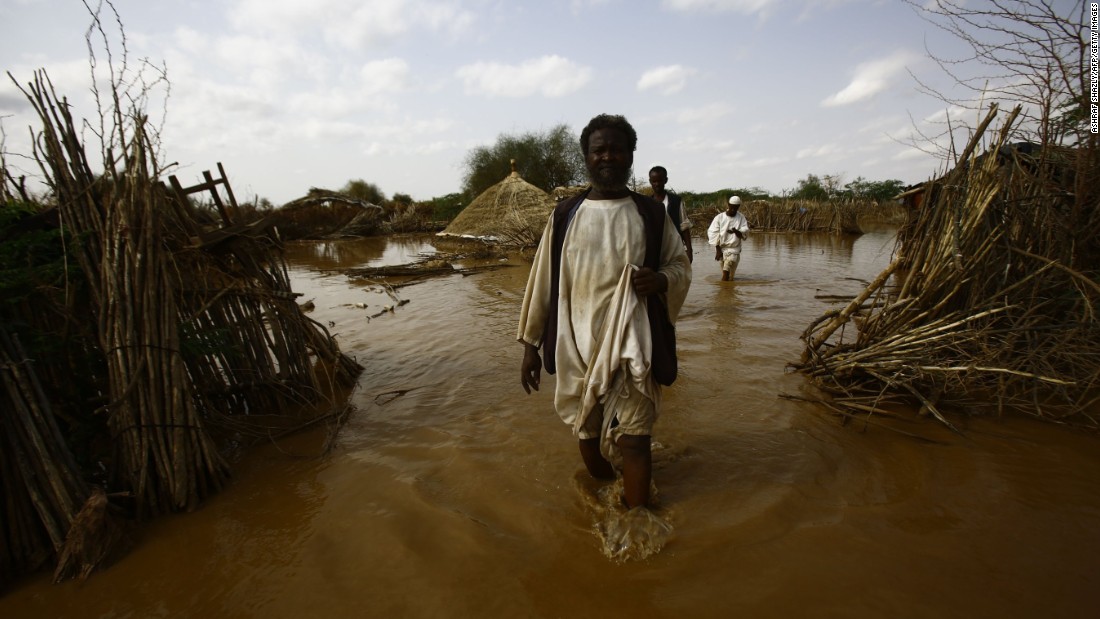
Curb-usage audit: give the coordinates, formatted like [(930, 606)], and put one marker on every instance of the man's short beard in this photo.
[(611, 184)]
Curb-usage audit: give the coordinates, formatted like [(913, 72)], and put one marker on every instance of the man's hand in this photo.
[(718, 254), (531, 368), (646, 281), (740, 235)]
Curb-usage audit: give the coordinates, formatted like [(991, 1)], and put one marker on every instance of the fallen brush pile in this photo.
[(140, 339), (990, 303)]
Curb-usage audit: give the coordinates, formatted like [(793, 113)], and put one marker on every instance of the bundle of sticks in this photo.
[(989, 304), (183, 349)]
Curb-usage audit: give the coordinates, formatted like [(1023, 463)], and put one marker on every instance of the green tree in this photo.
[(445, 208), (546, 160), (362, 190), (855, 189), (402, 198), (718, 198), (879, 191), (811, 188), (883, 191)]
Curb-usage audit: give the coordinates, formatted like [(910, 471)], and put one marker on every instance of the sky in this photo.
[(293, 94)]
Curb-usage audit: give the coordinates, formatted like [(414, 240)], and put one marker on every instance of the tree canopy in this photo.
[(720, 196), (811, 188), (880, 191), (546, 160), (362, 190), (828, 186)]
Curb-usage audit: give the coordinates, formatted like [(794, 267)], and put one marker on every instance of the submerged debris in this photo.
[(435, 265)]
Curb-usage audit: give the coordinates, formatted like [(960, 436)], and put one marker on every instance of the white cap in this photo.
[(735, 200)]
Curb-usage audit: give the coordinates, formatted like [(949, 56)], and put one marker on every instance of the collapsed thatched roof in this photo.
[(989, 303), (326, 196), (512, 212)]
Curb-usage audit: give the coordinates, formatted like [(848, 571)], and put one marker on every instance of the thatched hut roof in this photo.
[(512, 212)]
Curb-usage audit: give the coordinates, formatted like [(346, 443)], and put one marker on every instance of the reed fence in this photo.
[(161, 341), (841, 216)]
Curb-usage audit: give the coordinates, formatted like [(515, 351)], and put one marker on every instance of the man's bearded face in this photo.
[(609, 160)]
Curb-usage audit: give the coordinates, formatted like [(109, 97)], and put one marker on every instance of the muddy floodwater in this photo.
[(452, 493)]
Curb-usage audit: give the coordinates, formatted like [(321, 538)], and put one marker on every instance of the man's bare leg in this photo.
[(725, 276), (637, 468), (594, 461)]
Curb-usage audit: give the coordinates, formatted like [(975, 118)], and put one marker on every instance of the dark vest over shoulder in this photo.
[(674, 202), (663, 354)]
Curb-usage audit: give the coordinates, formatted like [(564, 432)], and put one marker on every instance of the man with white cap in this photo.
[(726, 232)]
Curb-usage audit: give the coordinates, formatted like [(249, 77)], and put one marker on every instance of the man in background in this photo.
[(726, 232), (658, 178)]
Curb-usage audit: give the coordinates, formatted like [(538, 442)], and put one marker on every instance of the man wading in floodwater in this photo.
[(728, 229), (586, 303)]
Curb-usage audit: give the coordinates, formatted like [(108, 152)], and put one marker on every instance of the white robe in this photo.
[(604, 237), (720, 233)]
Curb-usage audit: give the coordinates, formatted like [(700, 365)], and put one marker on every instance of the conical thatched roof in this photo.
[(512, 212)]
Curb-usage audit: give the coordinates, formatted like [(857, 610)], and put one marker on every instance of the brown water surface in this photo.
[(451, 493)]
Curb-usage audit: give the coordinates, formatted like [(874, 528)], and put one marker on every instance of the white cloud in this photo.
[(704, 114), (693, 117), (820, 151), (870, 79), (71, 79), (747, 7), (383, 76), (952, 113), (578, 5), (262, 62), (667, 80), (314, 129), (692, 145), (432, 148), (335, 103), (550, 76), (348, 24), (763, 162), (909, 153), (406, 137), (408, 128), (258, 61)]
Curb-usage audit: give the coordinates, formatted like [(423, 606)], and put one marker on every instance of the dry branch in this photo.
[(990, 299), (194, 330)]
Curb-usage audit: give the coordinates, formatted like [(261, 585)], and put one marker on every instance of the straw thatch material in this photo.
[(990, 303), (184, 332), (512, 213), (367, 223)]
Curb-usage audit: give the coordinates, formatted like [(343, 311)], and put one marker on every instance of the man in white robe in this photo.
[(727, 230), (604, 390)]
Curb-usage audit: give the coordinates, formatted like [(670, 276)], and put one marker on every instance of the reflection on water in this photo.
[(451, 493), (351, 253)]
